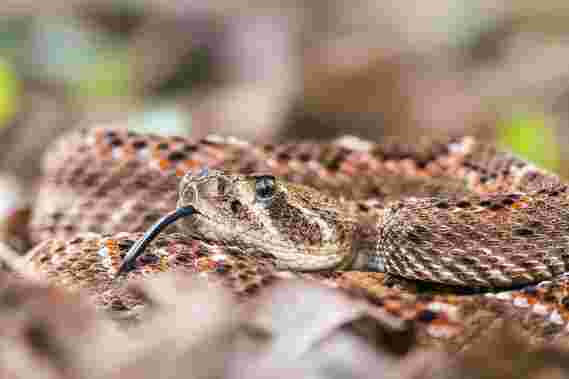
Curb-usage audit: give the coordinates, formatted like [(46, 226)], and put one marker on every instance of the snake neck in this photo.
[(364, 253)]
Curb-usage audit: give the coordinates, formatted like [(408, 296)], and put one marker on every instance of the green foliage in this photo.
[(532, 137), (108, 75), (9, 92)]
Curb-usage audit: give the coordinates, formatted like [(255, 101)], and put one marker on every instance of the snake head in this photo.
[(296, 225), (261, 214)]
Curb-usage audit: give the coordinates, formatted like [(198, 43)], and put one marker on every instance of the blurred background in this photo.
[(274, 70)]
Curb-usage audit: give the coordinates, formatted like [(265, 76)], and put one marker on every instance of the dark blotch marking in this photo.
[(176, 156), (535, 225), (469, 260), (118, 305), (139, 183), (283, 156), (126, 244), (524, 232), (527, 265), (507, 202), (189, 148), (376, 191), (252, 288), (116, 142), (139, 144), (422, 164), (149, 258), (334, 164), (183, 258), (413, 238), (463, 204), (162, 146), (421, 229), (363, 207), (205, 141), (249, 167), (492, 259), (150, 217), (442, 205), (243, 276), (496, 206), (304, 157), (376, 301)]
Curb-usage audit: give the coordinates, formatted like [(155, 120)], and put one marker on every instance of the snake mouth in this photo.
[(138, 248)]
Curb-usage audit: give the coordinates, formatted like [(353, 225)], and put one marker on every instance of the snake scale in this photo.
[(455, 212)]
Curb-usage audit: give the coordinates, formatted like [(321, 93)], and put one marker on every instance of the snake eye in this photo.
[(264, 187)]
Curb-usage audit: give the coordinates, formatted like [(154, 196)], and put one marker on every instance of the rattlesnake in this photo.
[(456, 212)]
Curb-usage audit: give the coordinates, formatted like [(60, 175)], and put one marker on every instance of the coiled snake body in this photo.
[(455, 212)]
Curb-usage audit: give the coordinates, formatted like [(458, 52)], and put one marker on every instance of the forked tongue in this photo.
[(138, 248)]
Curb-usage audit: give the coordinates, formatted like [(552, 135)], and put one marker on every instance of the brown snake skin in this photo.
[(455, 212)]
